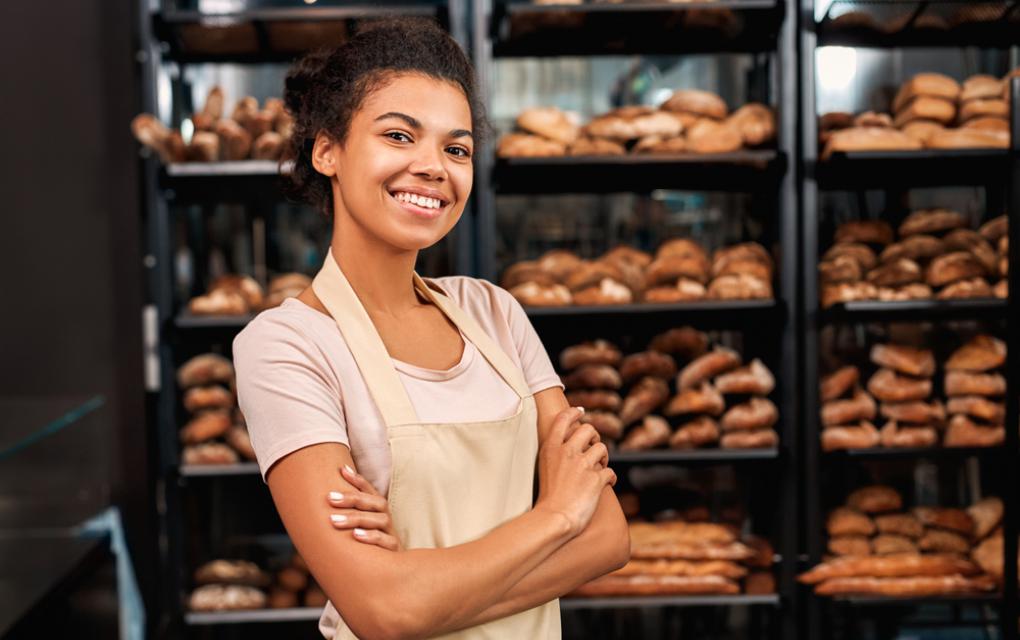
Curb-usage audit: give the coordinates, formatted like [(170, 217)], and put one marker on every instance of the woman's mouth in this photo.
[(419, 205)]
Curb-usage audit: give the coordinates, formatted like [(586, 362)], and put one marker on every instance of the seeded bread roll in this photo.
[(909, 360), (550, 123), (964, 383), (888, 386), (653, 432), (703, 398), (595, 400), (926, 108), (964, 432), (894, 436), (754, 378), (702, 103), (595, 147), (861, 253), (875, 499), (646, 396), (709, 136), (915, 412), (523, 145), (981, 87), (843, 521), (850, 410), (534, 294), (868, 139), (984, 108), (838, 382), (719, 360), (900, 524), (699, 432), (682, 342), (956, 520), (914, 247), (969, 138), (934, 85), (863, 435), (981, 353), (865, 231)]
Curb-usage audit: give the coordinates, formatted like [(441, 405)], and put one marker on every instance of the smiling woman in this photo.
[(400, 423)]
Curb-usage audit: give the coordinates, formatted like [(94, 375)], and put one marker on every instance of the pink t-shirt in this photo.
[(298, 384)]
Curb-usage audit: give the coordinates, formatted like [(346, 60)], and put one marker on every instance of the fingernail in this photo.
[(347, 467), (336, 495), (359, 532), (338, 518), (581, 409)]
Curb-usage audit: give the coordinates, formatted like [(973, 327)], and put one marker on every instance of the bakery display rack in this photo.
[(521, 28), (763, 30), (895, 172), (258, 34), (182, 43), (919, 23)]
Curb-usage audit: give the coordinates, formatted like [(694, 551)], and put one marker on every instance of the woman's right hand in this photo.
[(572, 469)]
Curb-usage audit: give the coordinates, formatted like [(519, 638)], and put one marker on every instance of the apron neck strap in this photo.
[(488, 347), (339, 298)]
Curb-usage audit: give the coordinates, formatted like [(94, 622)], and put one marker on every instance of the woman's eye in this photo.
[(399, 136), (459, 151)]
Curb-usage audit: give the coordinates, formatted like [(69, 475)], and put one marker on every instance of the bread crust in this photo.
[(594, 352), (645, 397), (892, 566), (839, 382), (904, 359), (844, 521), (875, 499), (754, 378), (981, 353), (647, 363), (752, 439), (699, 432), (653, 432), (863, 435), (701, 399), (717, 361), (756, 413), (888, 386)]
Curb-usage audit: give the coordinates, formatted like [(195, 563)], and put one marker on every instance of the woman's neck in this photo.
[(380, 275)]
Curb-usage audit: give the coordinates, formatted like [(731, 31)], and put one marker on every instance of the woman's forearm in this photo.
[(426, 592), (602, 547)]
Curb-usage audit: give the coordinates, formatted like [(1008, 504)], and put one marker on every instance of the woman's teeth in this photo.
[(421, 201)]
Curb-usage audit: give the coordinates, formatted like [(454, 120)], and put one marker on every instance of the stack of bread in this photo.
[(238, 295), (930, 111), (696, 405), (250, 132), (878, 549), (215, 432), (936, 256), (230, 585), (974, 389), (903, 386), (690, 121), (679, 271), (688, 558)]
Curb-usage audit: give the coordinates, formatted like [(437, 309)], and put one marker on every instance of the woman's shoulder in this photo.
[(293, 322), (476, 295)]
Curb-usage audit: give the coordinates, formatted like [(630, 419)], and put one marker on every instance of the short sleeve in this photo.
[(538, 369), (285, 389)]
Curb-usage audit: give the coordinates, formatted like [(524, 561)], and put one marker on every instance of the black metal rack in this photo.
[(755, 27), (897, 172)]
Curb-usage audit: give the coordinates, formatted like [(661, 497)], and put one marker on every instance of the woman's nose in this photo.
[(428, 163)]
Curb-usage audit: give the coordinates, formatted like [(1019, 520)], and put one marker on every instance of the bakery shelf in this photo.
[(899, 453), (528, 29), (239, 181), (218, 470), (920, 23), (883, 601), (740, 171), (625, 602), (914, 310), (299, 614), (188, 321), (693, 456), (905, 169), (272, 34)]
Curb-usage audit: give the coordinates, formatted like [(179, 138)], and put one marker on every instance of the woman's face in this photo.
[(404, 172)]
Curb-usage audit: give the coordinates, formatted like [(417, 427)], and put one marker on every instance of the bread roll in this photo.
[(701, 399), (863, 435), (888, 386), (697, 433), (523, 145), (934, 85), (903, 359), (869, 139), (702, 103), (550, 123), (981, 353), (651, 433), (969, 138), (893, 566), (644, 397), (843, 521), (865, 231), (838, 382), (860, 406), (875, 499)]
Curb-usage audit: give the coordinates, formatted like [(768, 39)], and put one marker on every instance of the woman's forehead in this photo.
[(431, 101)]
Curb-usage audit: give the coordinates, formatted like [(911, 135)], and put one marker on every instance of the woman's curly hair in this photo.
[(324, 89)]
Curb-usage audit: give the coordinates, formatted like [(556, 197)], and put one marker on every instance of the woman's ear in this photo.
[(322, 154)]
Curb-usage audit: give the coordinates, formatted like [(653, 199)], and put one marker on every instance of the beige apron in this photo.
[(454, 482)]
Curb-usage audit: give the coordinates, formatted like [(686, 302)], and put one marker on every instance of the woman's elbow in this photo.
[(386, 621), (621, 546)]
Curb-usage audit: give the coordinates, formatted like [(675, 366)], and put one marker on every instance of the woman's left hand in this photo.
[(364, 511)]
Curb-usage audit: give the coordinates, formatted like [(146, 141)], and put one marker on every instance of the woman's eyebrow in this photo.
[(414, 123)]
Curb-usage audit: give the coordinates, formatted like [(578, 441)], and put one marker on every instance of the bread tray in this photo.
[(916, 310), (906, 169), (255, 615), (213, 470)]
